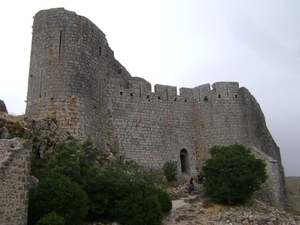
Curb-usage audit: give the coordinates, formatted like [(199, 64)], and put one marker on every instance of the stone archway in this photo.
[(184, 161)]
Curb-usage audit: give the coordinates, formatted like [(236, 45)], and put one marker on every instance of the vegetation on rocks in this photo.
[(11, 126)]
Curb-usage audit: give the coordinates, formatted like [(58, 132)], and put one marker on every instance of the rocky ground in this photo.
[(198, 210)]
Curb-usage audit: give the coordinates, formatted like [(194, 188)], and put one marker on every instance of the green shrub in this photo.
[(170, 170), (76, 188), (139, 207), (51, 219), (164, 200), (113, 190), (232, 174), (152, 211), (57, 193)]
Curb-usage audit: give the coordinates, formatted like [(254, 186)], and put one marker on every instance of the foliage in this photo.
[(232, 174), (57, 193), (38, 166), (51, 219), (164, 200), (144, 207), (112, 190), (73, 159), (75, 187), (170, 170), (14, 127), (62, 180), (292, 211)]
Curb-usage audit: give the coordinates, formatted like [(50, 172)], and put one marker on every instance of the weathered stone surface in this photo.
[(293, 192), (75, 79), (14, 173), (2, 106)]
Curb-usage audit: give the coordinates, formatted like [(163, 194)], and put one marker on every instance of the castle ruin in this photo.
[(75, 79)]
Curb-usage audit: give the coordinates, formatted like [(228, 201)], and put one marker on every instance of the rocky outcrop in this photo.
[(255, 212), (2, 106), (200, 210)]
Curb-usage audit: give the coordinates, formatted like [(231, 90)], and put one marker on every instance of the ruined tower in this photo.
[(75, 79)]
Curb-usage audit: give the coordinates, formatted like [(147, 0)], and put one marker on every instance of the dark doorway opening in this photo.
[(184, 161)]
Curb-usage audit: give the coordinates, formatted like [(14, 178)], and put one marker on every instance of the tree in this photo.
[(232, 174)]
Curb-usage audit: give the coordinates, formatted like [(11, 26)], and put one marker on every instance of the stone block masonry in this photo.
[(14, 173), (75, 79)]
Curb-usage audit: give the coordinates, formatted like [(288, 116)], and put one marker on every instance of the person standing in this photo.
[(191, 186)]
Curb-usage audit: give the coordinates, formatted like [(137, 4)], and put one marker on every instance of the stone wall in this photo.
[(293, 192), (14, 173), (75, 79)]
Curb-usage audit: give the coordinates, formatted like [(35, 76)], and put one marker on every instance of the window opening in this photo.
[(60, 39), (41, 83)]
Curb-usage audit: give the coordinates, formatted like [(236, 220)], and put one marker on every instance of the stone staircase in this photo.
[(184, 180)]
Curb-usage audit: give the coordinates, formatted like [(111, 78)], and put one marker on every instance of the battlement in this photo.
[(140, 88)]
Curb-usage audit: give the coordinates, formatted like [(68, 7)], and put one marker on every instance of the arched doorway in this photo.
[(184, 161)]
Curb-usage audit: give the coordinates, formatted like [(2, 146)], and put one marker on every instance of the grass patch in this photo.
[(292, 211)]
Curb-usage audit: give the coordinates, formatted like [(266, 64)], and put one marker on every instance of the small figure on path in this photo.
[(191, 186)]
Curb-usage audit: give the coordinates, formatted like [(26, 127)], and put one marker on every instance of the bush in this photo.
[(170, 170), (113, 190), (57, 193), (76, 188), (51, 219), (232, 174), (164, 200), (144, 207)]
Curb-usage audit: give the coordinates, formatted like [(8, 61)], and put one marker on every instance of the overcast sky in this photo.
[(184, 43)]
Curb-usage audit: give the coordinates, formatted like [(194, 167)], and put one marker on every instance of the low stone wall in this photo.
[(14, 172)]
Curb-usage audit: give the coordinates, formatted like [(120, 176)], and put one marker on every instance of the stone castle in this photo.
[(75, 79)]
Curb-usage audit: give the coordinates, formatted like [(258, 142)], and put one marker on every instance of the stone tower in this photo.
[(75, 79)]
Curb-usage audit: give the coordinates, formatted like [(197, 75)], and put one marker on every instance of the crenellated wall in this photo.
[(75, 79)]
